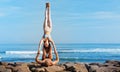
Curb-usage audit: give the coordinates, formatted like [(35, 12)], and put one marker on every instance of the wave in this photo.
[(93, 50), (78, 58), (21, 52), (69, 51)]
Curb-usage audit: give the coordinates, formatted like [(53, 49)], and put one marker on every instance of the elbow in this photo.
[(57, 59), (36, 59)]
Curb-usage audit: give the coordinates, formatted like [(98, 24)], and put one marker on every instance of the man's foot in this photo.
[(47, 5)]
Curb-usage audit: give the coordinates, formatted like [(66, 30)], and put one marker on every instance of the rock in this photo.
[(8, 70), (10, 67), (104, 69), (94, 64), (2, 68), (114, 69), (21, 69), (93, 68), (0, 63), (80, 68), (68, 65), (54, 68), (103, 65), (4, 63), (40, 70), (20, 64), (76, 67), (32, 66), (108, 69), (113, 63), (108, 66), (12, 64), (33, 69)]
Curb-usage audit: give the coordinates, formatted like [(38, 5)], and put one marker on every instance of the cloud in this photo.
[(95, 15), (106, 15), (5, 0), (15, 8), (9, 10), (2, 14)]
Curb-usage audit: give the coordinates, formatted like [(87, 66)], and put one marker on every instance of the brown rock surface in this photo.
[(2, 68), (54, 68), (108, 66), (75, 67)]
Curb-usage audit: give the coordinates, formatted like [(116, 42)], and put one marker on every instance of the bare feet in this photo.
[(47, 5)]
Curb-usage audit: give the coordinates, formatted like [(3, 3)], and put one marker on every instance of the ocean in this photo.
[(81, 52)]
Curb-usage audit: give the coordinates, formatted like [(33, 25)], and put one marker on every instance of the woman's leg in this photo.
[(49, 17), (45, 21)]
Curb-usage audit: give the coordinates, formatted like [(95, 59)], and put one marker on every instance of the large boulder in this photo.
[(75, 67), (2, 68), (21, 69), (54, 68), (113, 63), (4, 63), (93, 68), (8, 70), (108, 69), (39, 70)]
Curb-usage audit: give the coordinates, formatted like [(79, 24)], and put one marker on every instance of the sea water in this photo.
[(82, 52)]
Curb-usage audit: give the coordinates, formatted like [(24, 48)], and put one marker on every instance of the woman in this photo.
[(47, 27)]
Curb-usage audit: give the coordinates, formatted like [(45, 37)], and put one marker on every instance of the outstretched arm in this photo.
[(52, 42), (37, 58), (55, 51), (57, 57), (38, 53), (40, 44)]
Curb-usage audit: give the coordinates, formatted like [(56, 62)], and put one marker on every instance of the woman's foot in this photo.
[(47, 5)]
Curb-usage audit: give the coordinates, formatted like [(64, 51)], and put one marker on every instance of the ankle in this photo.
[(47, 5)]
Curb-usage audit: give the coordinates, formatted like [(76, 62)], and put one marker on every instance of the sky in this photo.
[(74, 21)]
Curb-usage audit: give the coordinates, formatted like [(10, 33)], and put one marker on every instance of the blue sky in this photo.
[(74, 21)]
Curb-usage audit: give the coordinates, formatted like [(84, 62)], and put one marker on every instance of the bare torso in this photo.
[(47, 52)]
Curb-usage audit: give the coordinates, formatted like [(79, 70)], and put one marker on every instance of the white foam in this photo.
[(21, 52), (108, 50), (94, 50), (70, 57)]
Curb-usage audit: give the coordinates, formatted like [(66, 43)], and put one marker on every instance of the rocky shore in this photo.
[(108, 66)]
